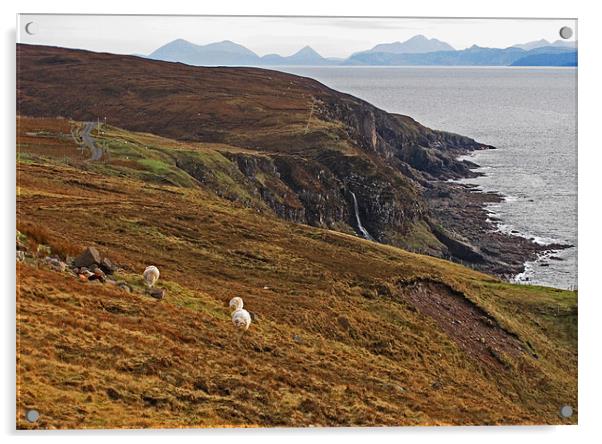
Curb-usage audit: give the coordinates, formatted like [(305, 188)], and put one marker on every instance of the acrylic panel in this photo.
[(295, 221)]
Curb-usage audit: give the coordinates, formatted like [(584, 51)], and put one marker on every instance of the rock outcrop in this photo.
[(90, 256)]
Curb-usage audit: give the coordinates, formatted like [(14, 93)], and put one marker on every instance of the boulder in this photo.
[(89, 257), (57, 264), (157, 293), (124, 286), (99, 275), (107, 266)]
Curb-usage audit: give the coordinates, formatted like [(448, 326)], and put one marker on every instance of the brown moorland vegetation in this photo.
[(294, 145), (346, 331)]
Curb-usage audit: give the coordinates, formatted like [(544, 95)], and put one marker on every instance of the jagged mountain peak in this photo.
[(307, 51)]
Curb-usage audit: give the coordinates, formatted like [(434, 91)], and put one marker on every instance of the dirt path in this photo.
[(478, 333)]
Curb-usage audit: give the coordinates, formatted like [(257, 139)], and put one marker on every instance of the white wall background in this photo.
[(590, 161)]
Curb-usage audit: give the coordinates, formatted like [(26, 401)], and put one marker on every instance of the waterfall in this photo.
[(358, 220)]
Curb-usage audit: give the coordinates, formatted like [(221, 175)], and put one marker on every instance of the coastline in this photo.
[(517, 253), (275, 159), (462, 208)]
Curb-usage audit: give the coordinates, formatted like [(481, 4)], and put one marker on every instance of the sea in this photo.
[(528, 114)]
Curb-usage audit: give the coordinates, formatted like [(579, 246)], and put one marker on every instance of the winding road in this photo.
[(88, 141)]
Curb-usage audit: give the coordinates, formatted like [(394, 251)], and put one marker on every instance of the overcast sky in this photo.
[(331, 37)]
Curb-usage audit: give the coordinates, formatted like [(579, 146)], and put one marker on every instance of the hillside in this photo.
[(346, 331), (306, 151)]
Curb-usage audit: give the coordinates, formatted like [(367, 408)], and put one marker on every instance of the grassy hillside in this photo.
[(347, 332), (285, 142)]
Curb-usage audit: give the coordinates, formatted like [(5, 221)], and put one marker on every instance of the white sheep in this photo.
[(241, 318), (151, 275), (236, 303)]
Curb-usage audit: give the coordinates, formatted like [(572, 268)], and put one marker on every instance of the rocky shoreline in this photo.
[(461, 209), (307, 154)]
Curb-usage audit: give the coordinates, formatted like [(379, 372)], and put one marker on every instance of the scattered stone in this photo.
[(157, 293), (113, 394), (488, 321), (544, 264), (266, 287), (93, 268), (124, 286), (202, 385), (98, 275), (89, 257), (556, 258), (111, 281), (107, 266), (20, 256), (83, 278), (56, 264), (344, 322), (298, 339)]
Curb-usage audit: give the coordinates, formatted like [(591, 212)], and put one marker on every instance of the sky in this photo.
[(330, 36)]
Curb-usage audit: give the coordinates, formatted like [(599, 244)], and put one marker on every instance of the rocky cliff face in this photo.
[(288, 144)]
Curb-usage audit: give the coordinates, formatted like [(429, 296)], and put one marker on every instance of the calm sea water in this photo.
[(529, 114)]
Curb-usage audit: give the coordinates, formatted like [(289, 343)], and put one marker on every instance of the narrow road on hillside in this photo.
[(88, 141)]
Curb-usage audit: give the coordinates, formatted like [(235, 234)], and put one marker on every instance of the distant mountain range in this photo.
[(473, 56), (419, 50), (545, 43), (416, 45), (230, 53)]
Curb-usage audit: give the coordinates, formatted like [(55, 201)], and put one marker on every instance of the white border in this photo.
[(590, 162)]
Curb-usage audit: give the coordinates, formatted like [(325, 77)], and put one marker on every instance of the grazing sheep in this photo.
[(240, 317), (151, 275), (236, 303)]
